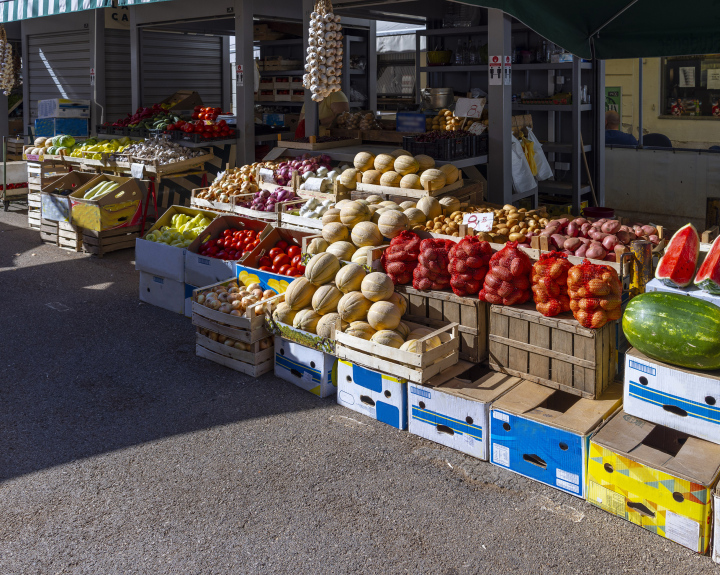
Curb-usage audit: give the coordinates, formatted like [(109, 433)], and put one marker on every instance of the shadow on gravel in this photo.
[(85, 368)]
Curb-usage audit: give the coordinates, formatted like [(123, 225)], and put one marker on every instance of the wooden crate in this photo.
[(437, 308), (99, 243), (255, 362), (34, 210), (42, 175), (553, 351), (315, 146), (61, 234)]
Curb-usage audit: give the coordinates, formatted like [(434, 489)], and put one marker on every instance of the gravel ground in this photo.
[(122, 452)]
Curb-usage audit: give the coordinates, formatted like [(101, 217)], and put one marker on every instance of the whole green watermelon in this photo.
[(676, 329)]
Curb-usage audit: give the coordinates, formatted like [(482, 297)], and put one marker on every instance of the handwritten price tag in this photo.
[(479, 222), (266, 175), (469, 107)]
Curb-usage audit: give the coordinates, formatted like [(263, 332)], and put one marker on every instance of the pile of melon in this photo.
[(351, 300), (399, 169)]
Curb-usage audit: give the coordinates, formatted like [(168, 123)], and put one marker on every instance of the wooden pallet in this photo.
[(62, 234), (553, 351), (100, 243)]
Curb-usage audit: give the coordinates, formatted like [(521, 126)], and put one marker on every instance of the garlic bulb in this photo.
[(323, 61)]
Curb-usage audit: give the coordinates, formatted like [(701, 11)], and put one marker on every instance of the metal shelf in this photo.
[(559, 148), (550, 66), (448, 69), (561, 188), (290, 42), (551, 107), (279, 103), (282, 72), (357, 72), (466, 31), (355, 38)]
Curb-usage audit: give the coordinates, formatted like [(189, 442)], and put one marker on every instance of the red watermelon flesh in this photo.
[(677, 267), (708, 276)]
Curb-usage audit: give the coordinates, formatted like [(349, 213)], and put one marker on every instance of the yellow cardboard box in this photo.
[(655, 477), (120, 208)]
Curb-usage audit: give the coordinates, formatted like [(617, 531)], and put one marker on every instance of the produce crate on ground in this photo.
[(656, 477), (553, 351), (373, 393), (544, 434), (310, 369), (248, 330), (106, 241), (436, 308), (56, 206), (62, 234), (40, 175), (34, 210), (453, 408), (15, 149), (406, 365), (121, 207), (162, 292)]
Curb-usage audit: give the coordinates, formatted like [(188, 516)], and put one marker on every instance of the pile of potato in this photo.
[(357, 121), (447, 121), (446, 225), (513, 224)]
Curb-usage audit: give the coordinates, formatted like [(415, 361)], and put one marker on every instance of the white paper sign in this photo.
[(266, 175), (469, 107), (687, 77), (137, 171), (495, 71), (508, 71), (713, 79), (479, 222), (477, 128)]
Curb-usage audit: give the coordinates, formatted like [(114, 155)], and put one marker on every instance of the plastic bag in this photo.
[(433, 261), (523, 179), (594, 294), (549, 284), (544, 172), (508, 280), (529, 154), (469, 260), (400, 259)]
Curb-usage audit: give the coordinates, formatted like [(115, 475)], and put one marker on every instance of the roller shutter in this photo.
[(118, 91)]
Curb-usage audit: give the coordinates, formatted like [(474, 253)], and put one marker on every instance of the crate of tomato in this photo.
[(200, 130)]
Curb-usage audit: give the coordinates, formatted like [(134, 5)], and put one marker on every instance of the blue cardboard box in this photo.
[(372, 393), (544, 433), (49, 127)]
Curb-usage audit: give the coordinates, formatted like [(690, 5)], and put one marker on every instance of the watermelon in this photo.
[(677, 267), (708, 276), (676, 329)]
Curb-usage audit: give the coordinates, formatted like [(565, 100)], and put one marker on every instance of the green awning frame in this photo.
[(16, 10)]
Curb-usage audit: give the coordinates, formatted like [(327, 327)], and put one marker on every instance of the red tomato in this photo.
[(281, 260), (275, 252), (282, 244), (293, 251), (222, 255), (283, 270), (265, 261), (265, 269), (301, 270), (296, 260), (251, 233), (291, 271), (275, 269)]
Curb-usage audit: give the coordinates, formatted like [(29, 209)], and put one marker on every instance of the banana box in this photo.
[(453, 408), (684, 399), (314, 371), (162, 292), (544, 433), (372, 393), (659, 478), (56, 207), (120, 207)]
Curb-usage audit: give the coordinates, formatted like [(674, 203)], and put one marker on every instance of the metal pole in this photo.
[(640, 104), (245, 82)]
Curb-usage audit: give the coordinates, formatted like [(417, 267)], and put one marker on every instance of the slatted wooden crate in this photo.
[(34, 210), (553, 351), (62, 234), (440, 307), (99, 243), (41, 175)]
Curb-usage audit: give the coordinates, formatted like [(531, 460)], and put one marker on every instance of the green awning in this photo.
[(136, 2), (620, 28), (15, 10)]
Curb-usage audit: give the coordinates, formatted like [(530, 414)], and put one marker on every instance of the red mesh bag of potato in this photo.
[(400, 259), (469, 260), (433, 261), (508, 280), (594, 292), (549, 284)]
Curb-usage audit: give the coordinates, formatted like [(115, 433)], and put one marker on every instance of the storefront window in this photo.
[(691, 86)]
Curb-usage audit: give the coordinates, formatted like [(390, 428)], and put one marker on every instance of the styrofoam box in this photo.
[(307, 368), (683, 399), (692, 291), (372, 393), (162, 292)]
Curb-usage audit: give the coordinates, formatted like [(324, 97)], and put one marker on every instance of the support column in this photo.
[(27, 78), (371, 67), (640, 102), (598, 151), (499, 114), (245, 90), (228, 75), (135, 71), (311, 108), (97, 61)]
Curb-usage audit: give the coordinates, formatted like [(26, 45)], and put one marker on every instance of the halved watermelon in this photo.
[(677, 267), (708, 276)]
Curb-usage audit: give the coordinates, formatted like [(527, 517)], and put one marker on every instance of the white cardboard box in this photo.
[(204, 271), (188, 299), (379, 396), (692, 291), (63, 108), (683, 399), (307, 368), (162, 292), (455, 412)]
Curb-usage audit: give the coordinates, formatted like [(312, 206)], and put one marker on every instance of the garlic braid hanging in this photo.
[(7, 64), (324, 52)]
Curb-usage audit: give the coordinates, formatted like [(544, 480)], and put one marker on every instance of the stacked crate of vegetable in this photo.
[(594, 294), (508, 280)]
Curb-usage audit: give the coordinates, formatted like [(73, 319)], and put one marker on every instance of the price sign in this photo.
[(477, 128), (479, 222), (469, 107), (266, 175)]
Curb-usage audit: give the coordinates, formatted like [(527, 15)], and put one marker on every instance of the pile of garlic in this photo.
[(324, 53), (315, 209), (8, 79)]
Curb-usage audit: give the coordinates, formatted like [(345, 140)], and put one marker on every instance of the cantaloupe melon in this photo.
[(299, 293), (335, 232), (361, 329), (377, 286), (354, 213), (326, 298), (321, 269), (384, 315), (332, 215), (392, 222), (384, 163), (366, 234), (400, 152), (354, 306), (388, 337), (371, 177), (407, 205), (421, 332), (411, 182), (430, 207), (403, 330), (452, 174), (450, 204), (426, 162), (390, 179), (317, 246), (342, 250), (306, 320), (432, 180), (415, 217), (374, 199), (364, 161), (325, 326), (284, 314), (405, 165), (400, 301), (349, 178), (350, 277)]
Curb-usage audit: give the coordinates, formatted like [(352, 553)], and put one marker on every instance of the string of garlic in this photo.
[(7, 64), (324, 60)]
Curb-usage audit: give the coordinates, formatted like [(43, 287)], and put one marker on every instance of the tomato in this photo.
[(296, 260), (301, 270), (251, 233), (282, 244), (265, 261), (283, 270), (237, 246), (281, 260), (265, 269), (227, 232), (274, 269), (293, 251), (275, 252), (291, 271), (197, 109), (222, 254)]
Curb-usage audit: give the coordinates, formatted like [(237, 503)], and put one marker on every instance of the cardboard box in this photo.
[(453, 408), (183, 100), (162, 292), (310, 369), (63, 108), (683, 399), (162, 259), (372, 393), (716, 537), (274, 119), (49, 127), (692, 291), (56, 207), (656, 477), (189, 289), (247, 271), (120, 208), (203, 271), (543, 433)]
